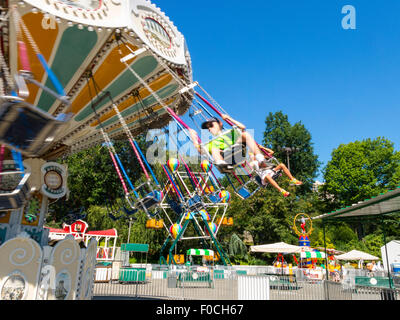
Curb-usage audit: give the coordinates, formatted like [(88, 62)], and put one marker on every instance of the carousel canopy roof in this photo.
[(83, 42)]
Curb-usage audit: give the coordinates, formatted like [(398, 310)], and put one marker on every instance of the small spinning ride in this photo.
[(302, 226), (190, 198)]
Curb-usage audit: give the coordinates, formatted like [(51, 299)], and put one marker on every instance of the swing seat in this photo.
[(175, 206), (258, 180), (213, 198), (236, 155), (244, 193), (27, 129), (129, 212), (113, 218), (17, 198), (150, 200), (195, 203)]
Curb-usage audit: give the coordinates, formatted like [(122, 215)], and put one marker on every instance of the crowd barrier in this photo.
[(232, 283)]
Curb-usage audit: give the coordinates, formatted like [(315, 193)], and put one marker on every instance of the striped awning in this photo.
[(312, 255), (200, 252)]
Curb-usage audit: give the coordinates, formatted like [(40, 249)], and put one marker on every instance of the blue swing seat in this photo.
[(195, 203), (213, 198), (149, 201), (15, 199), (244, 193), (27, 129), (129, 212), (175, 206)]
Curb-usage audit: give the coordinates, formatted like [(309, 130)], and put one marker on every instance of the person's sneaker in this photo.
[(295, 182), (224, 166), (285, 193)]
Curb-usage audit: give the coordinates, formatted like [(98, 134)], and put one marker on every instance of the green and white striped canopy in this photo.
[(200, 252), (312, 255)]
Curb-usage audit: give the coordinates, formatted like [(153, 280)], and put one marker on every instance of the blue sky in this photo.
[(256, 57)]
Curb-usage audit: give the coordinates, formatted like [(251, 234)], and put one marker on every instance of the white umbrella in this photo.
[(280, 247), (356, 255)]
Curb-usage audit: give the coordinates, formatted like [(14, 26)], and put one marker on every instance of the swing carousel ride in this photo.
[(81, 73)]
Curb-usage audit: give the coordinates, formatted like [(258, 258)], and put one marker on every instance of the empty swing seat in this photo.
[(28, 129), (129, 212), (213, 198), (15, 199), (195, 203), (175, 206), (151, 200), (244, 193)]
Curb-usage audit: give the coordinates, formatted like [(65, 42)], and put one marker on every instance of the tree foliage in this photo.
[(360, 170), (280, 133), (357, 171)]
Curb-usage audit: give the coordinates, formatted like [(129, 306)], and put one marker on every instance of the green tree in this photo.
[(280, 133), (237, 249), (360, 170), (268, 216)]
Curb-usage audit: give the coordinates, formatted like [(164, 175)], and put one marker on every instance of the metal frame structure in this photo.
[(191, 211), (374, 209)]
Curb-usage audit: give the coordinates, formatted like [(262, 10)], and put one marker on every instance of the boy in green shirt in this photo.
[(224, 142), (217, 146)]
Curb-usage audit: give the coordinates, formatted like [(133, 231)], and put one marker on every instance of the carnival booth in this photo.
[(106, 245), (314, 271), (133, 273), (106, 239), (197, 276)]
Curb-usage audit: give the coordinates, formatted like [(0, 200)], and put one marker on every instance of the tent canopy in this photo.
[(356, 255), (312, 255), (280, 247), (200, 252)]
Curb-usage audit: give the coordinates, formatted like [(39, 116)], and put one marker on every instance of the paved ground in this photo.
[(158, 288)]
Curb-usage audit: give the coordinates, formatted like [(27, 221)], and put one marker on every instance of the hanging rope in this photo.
[(172, 182), (18, 19), (108, 142), (2, 151)]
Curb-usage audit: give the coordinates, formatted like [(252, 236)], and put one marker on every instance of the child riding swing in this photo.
[(224, 142)]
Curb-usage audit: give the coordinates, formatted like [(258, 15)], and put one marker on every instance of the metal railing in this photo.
[(229, 283)]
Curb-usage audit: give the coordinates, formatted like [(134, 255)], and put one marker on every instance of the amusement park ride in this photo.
[(80, 73)]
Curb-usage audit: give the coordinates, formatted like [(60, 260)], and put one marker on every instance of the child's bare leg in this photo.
[(253, 146), (285, 170), (273, 183), (216, 154), (288, 173), (250, 142)]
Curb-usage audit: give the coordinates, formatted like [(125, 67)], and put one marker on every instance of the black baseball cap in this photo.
[(206, 124)]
